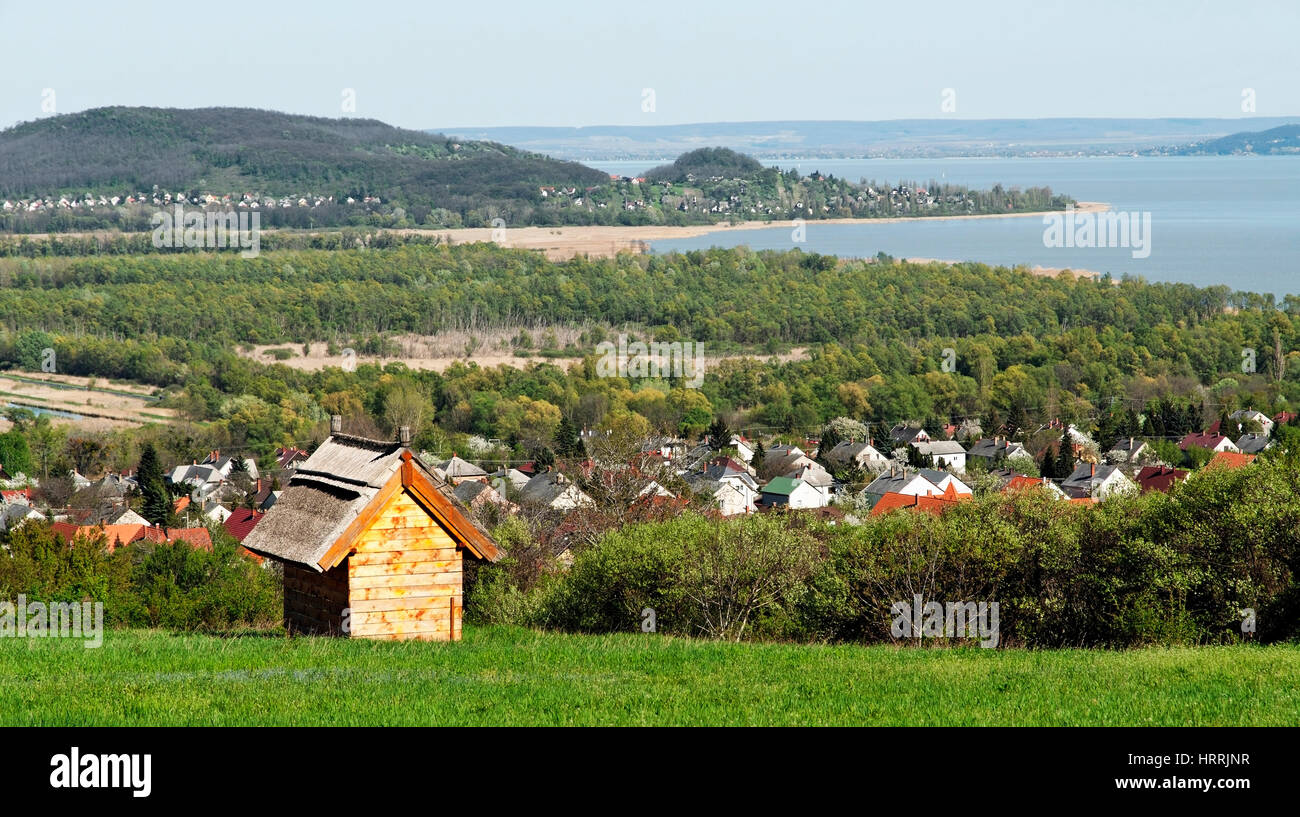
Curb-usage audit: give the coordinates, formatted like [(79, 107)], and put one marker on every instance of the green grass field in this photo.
[(505, 676)]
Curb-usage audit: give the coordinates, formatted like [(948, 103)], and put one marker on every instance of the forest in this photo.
[(806, 338)]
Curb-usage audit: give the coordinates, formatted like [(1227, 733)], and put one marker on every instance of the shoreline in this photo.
[(566, 242), (563, 243)]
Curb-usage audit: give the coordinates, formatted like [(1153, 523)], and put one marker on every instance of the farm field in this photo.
[(510, 676)]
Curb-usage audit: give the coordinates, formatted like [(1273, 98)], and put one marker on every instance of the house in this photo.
[(477, 495), (727, 483), (124, 516), (1243, 416), (997, 449), (241, 522), (372, 542), (1230, 459), (118, 535), (507, 481), (1128, 449), (792, 493), (666, 448), (731, 497), (1158, 478), (743, 448), (903, 434), (456, 471), (287, 459), (14, 514), (1092, 481), (1020, 482), (899, 481), (1207, 439), (1283, 417), (1253, 443), (848, 454), (816, 476), (553, 490), (784, 461), (946, 481), (943, 453), (931, 504)]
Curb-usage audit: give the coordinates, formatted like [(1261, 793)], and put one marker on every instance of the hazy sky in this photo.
[(588, 62)]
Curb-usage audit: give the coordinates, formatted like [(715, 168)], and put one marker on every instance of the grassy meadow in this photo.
[(508, 676)]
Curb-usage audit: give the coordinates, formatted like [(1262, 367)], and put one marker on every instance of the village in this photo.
[(723, 476)]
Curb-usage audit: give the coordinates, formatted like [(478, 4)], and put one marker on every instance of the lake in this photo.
[(1232, 220)]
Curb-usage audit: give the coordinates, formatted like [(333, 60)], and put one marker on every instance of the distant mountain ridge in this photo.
[(849, 139)]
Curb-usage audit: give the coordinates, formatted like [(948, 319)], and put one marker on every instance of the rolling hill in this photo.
[(233, 151), (1274, 141)]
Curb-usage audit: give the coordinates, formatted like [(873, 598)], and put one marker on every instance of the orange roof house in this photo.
[(372, 542), (935, 503), (116, 535), (1227, 459)]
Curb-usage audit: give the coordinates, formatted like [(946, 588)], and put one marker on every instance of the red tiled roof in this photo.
[(242, 521), (1227, 459), (1159, 478), (892, 501), (1020, 482), (1203, 439), (126, 534)]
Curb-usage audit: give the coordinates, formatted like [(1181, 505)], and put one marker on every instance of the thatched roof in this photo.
[(335, 485)]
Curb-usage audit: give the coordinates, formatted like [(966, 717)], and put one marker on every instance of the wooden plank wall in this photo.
[(314, 602), (404, 580)]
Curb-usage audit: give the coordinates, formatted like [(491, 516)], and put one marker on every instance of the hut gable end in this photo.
[(373, 544)]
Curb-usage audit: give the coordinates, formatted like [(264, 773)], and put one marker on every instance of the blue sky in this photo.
[(430, 64)]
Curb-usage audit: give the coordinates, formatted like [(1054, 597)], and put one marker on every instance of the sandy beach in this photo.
[(562, 243)]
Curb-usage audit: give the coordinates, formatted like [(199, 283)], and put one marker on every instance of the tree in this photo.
[(149, 476), (544, 458), (567, 442), (759, 454), (1065, 455), (15, 456), (404, 406), (719, 434)]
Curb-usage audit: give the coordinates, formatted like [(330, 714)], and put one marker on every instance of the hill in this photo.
[(1284, 139), (111, 169), (236, 151), (706, 163)]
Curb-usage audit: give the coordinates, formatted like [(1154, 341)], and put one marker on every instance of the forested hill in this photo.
[(222, 151), (111, 169), (1280, 140)]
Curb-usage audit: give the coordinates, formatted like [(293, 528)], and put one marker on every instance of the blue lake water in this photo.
[(67, 415), (1214, 220)]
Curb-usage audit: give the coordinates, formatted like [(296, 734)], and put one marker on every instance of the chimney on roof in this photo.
[(1092, 469), (404, 435), (336, 424)]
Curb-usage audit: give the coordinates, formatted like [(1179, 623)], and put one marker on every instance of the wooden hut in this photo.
[(372, 543)]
